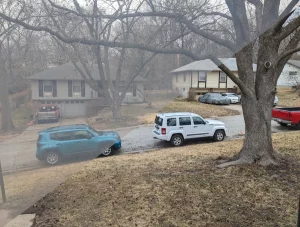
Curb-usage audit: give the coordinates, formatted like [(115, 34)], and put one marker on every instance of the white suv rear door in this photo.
[(200, 127), (185, 124)]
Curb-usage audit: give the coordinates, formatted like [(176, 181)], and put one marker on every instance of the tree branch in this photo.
[(289, 29), (231, 75), (291, 48), (289, 8), (218, 14)]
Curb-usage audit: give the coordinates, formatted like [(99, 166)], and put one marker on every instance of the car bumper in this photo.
[(234, 101), (156, 135), (117, 145), (281, 121), (46, 118)]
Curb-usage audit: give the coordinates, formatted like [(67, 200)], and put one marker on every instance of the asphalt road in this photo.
[(18, 153)]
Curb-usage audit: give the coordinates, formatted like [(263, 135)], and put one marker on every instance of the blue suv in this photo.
[(57, 143)]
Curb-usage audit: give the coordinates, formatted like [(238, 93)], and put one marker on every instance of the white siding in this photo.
[(212, 80), (285, 79)]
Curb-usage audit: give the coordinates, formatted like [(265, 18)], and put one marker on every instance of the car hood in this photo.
[(214, 122)]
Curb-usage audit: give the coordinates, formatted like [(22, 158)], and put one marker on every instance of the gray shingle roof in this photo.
[(68, 72), (208, 65), (295, 63)]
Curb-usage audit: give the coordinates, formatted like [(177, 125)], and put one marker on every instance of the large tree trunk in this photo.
[(6, 116), (116, 109), (257, 146), (258, 105)]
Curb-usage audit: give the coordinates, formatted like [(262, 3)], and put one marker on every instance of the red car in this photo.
[(287, 116), (48, 112)]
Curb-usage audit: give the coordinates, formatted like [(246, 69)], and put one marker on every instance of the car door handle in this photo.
[(180, 127), (58, 144), (78, 142), (195, 126)]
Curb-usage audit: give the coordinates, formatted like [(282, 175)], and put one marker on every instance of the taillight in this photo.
[(163, 131)]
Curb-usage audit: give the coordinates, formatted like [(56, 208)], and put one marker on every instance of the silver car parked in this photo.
[(214, 98)]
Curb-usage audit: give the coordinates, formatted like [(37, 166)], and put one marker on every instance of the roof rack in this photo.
[(64, 127)]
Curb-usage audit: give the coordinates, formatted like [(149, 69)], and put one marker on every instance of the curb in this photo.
[(23, 220)]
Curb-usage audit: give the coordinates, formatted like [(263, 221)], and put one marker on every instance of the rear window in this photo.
[(47, 108), (158, 121)]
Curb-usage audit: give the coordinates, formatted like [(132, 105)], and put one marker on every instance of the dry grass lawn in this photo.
[(139, 114), (288, 97), (179, 187)]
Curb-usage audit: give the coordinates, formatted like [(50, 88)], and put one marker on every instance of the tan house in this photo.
[(204, 76), (63, 86)]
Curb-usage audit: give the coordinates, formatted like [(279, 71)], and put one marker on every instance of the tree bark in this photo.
[(116, 110)]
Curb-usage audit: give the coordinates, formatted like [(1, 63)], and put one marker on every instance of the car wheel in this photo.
[(297, 127), (219, 135), (177, 140), (106, 151), (283, 124), (52, 158)]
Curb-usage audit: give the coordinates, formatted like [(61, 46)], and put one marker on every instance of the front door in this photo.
[(83, 141), (185, 124), (201, 128)]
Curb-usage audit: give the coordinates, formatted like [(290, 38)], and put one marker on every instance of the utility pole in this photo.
[(2, 185)]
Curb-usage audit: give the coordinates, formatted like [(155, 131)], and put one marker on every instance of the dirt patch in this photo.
[(179, 187), (288, 97), (139, 114)]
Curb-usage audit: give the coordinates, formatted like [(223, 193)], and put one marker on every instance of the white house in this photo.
[(290, 75), (64, 87)]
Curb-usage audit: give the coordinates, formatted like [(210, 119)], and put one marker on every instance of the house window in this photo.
[(202, 76), (223, 77), (293, 73), (184, 78), (48, 88), (76, 88)]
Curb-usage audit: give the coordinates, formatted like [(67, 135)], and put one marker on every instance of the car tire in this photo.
[(52, 158), (282, 124), (177, 140), (106, 151), (297, 126), (219, 135)]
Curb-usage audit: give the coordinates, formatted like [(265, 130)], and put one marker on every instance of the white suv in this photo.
[(177, 127)]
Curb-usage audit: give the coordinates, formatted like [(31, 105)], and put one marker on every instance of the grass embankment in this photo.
[(179, 187), (139, 114)]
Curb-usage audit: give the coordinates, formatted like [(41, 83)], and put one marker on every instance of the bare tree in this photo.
[(247, 41)]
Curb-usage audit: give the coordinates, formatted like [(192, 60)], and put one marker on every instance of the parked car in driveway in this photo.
[(177, 127), (234, 98), (57, 143), (287, 116), (48, 112), (274, 104), (214, 98)]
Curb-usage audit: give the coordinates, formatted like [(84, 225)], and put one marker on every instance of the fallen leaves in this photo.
[(180, 187)]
